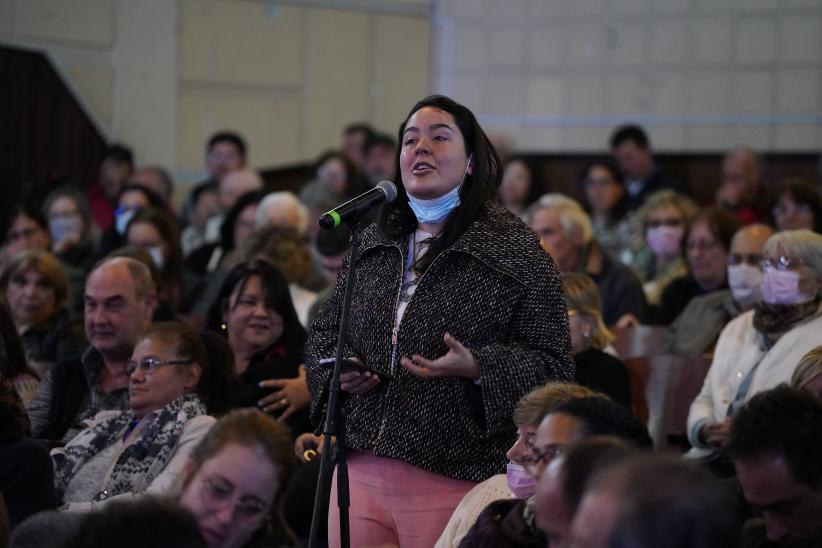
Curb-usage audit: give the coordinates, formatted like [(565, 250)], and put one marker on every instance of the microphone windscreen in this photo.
[(389, 189)]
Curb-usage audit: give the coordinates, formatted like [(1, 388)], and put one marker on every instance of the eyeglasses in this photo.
[(23, 234), (782, 263), (750, 259), (217, 493), (149, 365), (543, 456), (790, 209), (656, 223)]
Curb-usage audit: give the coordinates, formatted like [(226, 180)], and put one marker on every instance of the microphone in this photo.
[(352, 210)]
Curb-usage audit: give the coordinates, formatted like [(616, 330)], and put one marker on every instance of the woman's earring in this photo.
[(223, 327)]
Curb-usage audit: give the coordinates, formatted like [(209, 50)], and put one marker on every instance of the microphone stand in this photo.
[(334, 428)]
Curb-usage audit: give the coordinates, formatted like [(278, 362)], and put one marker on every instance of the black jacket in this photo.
[(496, 291)]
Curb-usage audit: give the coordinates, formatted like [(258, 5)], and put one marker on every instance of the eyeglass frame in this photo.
[(783, 262), (132, 366), (537, 455), (220, 496)]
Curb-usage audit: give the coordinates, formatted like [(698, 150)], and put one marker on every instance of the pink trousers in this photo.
[(394, 503)]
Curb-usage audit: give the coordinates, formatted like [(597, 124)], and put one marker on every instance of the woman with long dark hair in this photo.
[(455, 299)]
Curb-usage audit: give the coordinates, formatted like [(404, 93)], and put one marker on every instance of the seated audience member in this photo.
[(203, 206), (653, 501), (511, 523), (562, 485), (798, 206), (231, 187), (28, 230), (283, 209), (695, 330), (631, 149), (317, 202), (225, 151), (520, 186), (776, 445), (336, 178), (255, 313), (132, 199), (565, 232), (243, 460), (286, 250), (116, 167), (595, 369), (664, 220), (355, 137), (238, 225), (808, 373), (741, 190), (707, 243), (517, 483), (378, 164), (760, 349), (144, 449), (73, 233), (158, 180), (157, 233), (606, 200), (331, 249), (147, 522), (119, 303), (14, 366), (34, 288)]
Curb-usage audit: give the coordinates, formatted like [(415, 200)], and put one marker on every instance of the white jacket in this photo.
[(739, 349)]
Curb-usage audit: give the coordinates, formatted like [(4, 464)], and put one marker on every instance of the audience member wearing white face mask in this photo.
[(695, 330), (761, 348)]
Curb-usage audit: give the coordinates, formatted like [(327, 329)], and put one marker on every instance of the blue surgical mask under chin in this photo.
[(436, 210)]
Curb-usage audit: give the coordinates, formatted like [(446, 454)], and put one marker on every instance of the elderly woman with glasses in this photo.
[(760, 349), (144, 449)]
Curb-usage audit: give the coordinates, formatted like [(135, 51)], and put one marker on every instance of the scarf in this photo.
[(140, 462), (774, 320)]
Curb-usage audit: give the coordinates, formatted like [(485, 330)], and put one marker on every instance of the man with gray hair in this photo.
[(119, 301), (565, 232), (283, 209)]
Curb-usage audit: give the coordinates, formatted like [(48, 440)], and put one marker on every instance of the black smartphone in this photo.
[(351, 365)]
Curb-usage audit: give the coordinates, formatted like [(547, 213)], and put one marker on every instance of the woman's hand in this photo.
[(291, 395), (458, 362), (357, 382), (309, 447)]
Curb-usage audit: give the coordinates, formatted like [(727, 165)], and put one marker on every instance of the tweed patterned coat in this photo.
[(496, 291)]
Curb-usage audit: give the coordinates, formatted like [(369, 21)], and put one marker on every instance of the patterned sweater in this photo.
[(497, 292)]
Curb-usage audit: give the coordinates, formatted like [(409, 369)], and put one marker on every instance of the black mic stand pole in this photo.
[(332, 426)]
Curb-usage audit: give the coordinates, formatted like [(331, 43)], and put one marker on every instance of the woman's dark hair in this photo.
[(170, 232), (397, 219), (28, 209), (13, 361), (277, 296), (208, 349), (535, 186), (227, 228), (623, 205), (804, 194), (722, 224), (154, 199)]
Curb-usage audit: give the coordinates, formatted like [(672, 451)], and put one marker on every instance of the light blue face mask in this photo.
[(436, 210)]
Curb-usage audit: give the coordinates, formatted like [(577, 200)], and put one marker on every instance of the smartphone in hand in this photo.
[(351, 365)]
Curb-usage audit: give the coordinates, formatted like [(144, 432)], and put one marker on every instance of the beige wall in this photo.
[(702, 74), (162, 75)]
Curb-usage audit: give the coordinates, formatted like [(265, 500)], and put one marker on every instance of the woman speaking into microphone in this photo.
[(461, 313)]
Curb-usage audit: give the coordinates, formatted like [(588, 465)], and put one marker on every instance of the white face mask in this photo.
[(782, 287), (157, 256), (746, 283), (436, 210)]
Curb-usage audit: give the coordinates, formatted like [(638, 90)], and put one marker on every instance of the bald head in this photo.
[(119, 303), (236, 183), (750, 240)]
